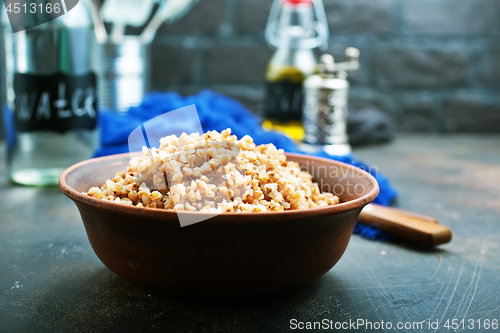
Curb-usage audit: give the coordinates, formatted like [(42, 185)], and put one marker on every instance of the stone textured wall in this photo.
[(433, 65)]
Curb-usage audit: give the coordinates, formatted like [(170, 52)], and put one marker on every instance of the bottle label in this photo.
[(56, 102), (283, 101)]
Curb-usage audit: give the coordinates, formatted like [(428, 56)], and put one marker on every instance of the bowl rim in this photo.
[(143, 212)]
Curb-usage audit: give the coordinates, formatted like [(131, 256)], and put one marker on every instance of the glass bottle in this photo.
[(297, 28), (50, 117)]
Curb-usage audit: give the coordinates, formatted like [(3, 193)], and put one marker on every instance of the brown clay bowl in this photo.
[(229, 253)]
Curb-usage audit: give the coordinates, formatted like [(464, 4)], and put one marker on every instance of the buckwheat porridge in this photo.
[(215, 173)]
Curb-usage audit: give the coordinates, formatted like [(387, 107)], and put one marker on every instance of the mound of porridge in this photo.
[(214, 173)]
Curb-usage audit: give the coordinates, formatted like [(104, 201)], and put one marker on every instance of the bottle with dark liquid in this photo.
[(297, 28)]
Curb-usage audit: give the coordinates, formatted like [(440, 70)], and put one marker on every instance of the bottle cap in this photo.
[(297, 2)]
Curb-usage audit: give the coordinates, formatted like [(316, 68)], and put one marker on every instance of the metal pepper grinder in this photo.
[(325, 105)]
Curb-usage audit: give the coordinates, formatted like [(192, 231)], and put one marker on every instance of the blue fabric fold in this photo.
[(218, 112)]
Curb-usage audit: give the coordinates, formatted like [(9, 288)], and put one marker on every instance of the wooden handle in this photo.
[(415, 227)]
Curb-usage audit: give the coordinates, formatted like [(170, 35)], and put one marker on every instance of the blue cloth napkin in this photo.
[(218, 112)]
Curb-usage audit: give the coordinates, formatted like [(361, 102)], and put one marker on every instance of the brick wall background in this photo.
[(433, 65)]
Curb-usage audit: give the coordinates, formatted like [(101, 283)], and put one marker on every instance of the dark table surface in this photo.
[(51, 280)]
